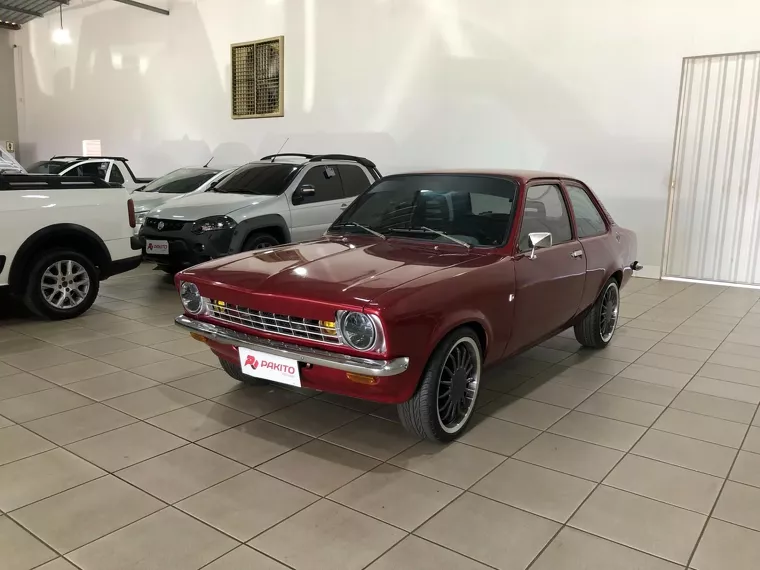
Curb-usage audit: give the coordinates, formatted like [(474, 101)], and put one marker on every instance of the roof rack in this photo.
[(298, 154), (77, 156), (49, 182), (365, 162)]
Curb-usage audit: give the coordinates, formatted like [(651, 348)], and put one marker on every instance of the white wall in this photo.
[(587, 87), (8, 116)]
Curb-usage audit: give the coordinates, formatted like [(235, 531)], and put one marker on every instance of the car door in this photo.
[(355, 181), (311, 215), (549, 285)]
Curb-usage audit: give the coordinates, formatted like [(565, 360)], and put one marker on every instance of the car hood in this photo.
[(148, 200), (328, 271), (205, 204)]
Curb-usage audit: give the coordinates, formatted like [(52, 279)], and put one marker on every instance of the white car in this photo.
[(59, 237), (112, 169), (280, 199), (9, 164)]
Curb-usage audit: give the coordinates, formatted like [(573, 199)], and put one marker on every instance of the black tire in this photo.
[(596, 329), (79, 298), (169, 270), (236, 372), (259, 240), (420, 415)]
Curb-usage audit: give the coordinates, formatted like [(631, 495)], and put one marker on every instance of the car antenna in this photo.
[(280, 149), (209, 162)]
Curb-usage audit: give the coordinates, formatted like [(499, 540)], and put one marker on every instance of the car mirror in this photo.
[(539, 240), (307, 191)]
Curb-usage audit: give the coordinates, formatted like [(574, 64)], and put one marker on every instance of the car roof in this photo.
[(519, 175)]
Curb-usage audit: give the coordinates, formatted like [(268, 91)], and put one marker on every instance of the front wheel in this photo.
[(259, 240), (62, 284), (599, 323), (444, 401)]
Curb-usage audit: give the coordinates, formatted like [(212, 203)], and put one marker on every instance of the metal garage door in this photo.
[(713, 224)]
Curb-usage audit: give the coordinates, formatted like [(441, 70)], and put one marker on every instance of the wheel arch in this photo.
[(272, 223)]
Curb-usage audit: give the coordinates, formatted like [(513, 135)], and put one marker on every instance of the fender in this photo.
[(455, 320), (24, 255), (246, 227)]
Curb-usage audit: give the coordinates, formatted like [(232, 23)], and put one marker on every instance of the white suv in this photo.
[(280, 199)]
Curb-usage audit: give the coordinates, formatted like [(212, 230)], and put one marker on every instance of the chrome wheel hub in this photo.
[(65, 284), (458, 385), (609, 314)]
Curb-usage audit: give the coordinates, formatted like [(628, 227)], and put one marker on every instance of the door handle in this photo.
[(577, 253)]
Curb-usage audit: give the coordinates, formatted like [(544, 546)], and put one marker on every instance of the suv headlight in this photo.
[(191, 297), (212, 224), (140, 216), (358, 330)]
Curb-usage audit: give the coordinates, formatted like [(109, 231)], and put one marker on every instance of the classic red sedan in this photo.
[(424, 280)]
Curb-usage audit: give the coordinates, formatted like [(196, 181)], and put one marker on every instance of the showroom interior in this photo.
[(127, 441)]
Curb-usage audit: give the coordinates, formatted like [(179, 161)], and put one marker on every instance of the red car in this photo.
[(421, 283)]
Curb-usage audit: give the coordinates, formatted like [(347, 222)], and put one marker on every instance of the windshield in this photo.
[(473, 209), (180, 181), (261, 179), (47, 167)]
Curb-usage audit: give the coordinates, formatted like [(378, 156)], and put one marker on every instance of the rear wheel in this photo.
[(598, 326), (236, 372), (259, 240), (444, 401)]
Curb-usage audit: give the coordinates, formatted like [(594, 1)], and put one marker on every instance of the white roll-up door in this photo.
[(713, 227)]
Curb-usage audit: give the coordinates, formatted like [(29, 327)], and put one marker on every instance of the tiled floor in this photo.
[(122, 445)]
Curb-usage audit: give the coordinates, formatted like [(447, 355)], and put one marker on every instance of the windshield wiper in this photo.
[(432, 231), (365, 228)]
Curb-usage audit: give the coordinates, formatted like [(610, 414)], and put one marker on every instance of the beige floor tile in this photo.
[(101, 346), (730, 390), (692, 341), (6, 370), (80, 423), (576, 550), (396, 496), (260, 400), (208, 384), (623, 409), (739, 504), (255, 442), (535, 489), (525, 412), (153, 337), (413, 552), (134, 357), (746, 469), (680, 351), (20, 345), (456, 463), (638, 390), (713, 430), (180, 473), (631, 342), (577, 377), (361, 406), (504, 382), (208, 358), (752, 442), (244, 557), (111, 385), (650, 325), (641, 523), (17, 443), (319, 467), (497, 534), (199, 420), (560, 343), (730, 374), (40, 476), (372, 436), (667, 483), (736, 348), (125, 446), (745, 362), (42, 358), (19, 550), (633, 332), (329, 536), (546, 354), (181, 347), (553, 393), (595, 364), (570, 456), (57, 564), (725, 546), (686, 452), (715, 407), (247, 505), (312, 417), (80, 515), (20, 384), (167, 539), (5, 422), (659, 376), (153, 401), (522, 365), (171, 370), (66, 374), (40, 404), (701, 332), (598, 430), (619, 353), (497, 435)]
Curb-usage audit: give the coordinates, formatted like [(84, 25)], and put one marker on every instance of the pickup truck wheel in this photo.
[(259, 240), (445, 399), (63, 284), (236, 372), (598, 326)]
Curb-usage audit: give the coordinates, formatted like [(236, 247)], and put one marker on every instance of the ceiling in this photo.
[(22, 11)]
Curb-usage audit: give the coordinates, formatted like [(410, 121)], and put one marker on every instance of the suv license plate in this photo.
[(268, 367), (157, 247)]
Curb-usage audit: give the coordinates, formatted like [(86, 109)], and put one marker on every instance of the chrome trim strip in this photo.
[(353, 364)]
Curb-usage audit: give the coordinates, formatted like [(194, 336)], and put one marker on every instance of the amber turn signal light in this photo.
[(360, 379), (199, 338)]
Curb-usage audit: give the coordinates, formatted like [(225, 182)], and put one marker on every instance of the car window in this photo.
[(47, 167), (354, 179), (326, 182), (545, 211), (268, 179), (93, 169), (180, 181), (474, 209), (588, 220), (116, 175)]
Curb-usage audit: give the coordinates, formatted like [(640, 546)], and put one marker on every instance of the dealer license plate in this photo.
[(157, 246), (268, 367)]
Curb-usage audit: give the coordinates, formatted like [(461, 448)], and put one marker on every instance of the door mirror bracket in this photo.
[(539, 240)]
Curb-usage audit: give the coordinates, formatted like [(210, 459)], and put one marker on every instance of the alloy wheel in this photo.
[(65, 284), (609, 313), (458, 385)]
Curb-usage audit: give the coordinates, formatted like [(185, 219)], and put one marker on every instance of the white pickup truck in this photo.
[(59, 237), (112, 169)]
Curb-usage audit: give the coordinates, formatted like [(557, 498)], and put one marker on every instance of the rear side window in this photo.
[(116, 175), (587, 218), (355, 181), (545, 211), (46, 167)]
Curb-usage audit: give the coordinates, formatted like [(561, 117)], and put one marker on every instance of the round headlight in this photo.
[(358, 330), (191, 297)]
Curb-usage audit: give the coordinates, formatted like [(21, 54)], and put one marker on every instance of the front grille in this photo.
[(168, 225), (295, 327)]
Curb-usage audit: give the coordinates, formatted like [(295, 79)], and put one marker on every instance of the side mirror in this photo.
[(539, 240), (307, 191)]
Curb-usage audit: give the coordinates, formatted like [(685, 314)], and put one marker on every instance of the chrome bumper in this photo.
[(353, 364)]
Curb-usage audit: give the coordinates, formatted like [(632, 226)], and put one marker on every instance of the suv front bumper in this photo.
[(186, 248)]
